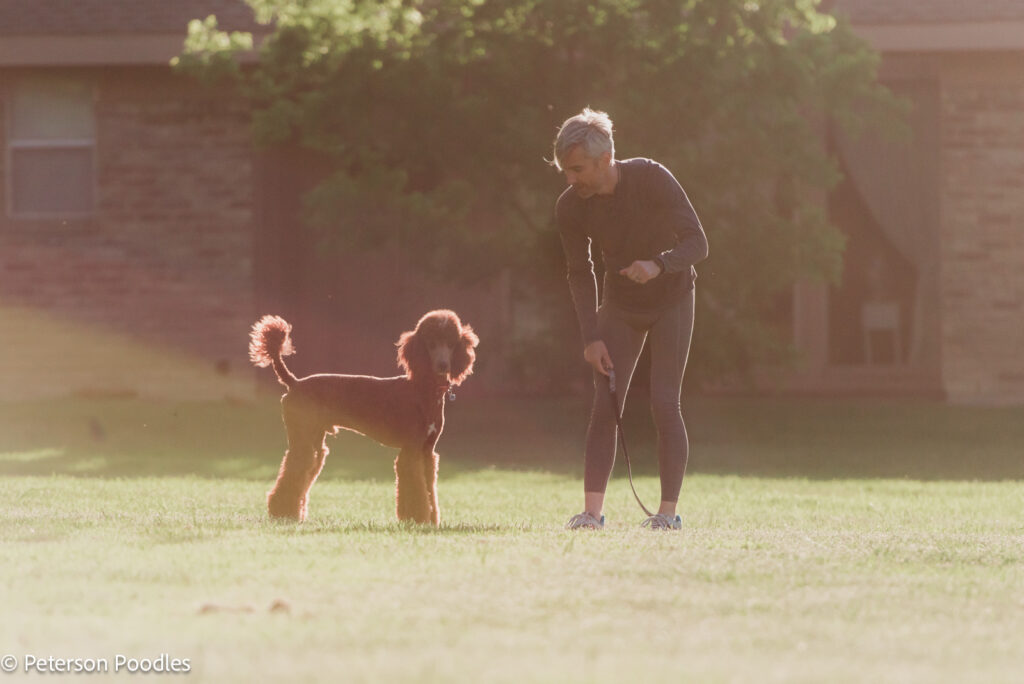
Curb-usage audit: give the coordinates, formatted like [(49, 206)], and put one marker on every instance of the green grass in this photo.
[(823, 541)]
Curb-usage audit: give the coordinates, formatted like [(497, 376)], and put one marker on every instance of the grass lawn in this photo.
[(823, 541)]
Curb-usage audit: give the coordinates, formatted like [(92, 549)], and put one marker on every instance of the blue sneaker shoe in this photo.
[(584, 521), (660, 521)]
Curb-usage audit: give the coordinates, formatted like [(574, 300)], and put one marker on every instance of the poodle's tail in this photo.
[(270, 340)]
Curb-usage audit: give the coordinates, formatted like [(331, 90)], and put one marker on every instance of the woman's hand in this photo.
[(597, 356), (641, 271)]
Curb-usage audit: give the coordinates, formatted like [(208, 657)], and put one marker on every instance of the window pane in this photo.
[(52, 109), (52, 181)]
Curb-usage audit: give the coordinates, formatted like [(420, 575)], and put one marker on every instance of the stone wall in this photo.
[(983, 228)]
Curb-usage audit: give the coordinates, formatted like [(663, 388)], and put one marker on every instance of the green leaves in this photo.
[(209, 53), (437, 116)]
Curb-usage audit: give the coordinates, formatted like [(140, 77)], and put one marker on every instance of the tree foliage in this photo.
[(437, 115)]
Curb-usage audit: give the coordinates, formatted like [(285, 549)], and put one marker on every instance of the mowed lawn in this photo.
[(823, 541)]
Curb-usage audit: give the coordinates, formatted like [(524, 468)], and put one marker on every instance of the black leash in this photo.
[(622, 439)]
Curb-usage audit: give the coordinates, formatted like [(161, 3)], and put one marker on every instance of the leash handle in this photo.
[(622, 439)]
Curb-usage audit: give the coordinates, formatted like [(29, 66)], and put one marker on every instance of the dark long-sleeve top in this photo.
[(647, 217)]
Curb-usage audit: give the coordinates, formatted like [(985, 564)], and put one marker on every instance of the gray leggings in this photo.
[(668, 333)]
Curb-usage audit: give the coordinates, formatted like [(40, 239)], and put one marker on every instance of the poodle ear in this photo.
[(464, 355), (412, 353)]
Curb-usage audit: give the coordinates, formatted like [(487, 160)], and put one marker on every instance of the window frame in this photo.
[(11, 145)]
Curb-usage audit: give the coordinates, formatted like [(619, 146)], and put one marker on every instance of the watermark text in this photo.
[(42, 664)]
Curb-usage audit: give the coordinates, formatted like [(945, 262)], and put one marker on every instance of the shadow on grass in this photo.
[(320, 527), (819, 439)]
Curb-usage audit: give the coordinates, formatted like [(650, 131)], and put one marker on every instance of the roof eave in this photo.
[(94, 50), (993, 36)]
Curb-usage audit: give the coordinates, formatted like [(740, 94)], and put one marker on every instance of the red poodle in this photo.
[(406, 412)]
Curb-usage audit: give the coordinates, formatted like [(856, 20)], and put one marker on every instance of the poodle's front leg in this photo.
[(430, 471), (412, 500)]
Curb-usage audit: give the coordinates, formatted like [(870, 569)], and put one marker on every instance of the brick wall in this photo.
[(983, 228), (153, 295)]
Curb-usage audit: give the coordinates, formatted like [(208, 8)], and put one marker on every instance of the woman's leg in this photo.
[(670, 346), (624, 343)]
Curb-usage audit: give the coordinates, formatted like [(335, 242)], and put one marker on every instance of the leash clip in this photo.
[(611, 380)]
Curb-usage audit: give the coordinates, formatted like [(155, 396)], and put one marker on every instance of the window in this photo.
[(51, 149), (870, 310)]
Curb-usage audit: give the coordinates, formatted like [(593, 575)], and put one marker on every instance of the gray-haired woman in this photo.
[(649, 237)]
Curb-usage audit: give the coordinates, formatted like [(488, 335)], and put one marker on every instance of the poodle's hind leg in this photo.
[(411, 496), (286, 499), (301, 464), (319, 457)]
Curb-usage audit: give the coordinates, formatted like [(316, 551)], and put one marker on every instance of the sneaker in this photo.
[(660, 521), (584, 520)]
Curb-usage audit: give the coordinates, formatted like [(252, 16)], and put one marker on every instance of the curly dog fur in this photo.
[(405, 412)]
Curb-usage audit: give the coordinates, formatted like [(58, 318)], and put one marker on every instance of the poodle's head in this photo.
[(440, 347)]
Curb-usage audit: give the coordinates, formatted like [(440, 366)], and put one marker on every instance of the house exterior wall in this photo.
[(980, 235), (152, 295), (982, 227)]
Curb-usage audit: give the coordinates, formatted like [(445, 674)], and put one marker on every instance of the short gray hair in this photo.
[(591, 129)]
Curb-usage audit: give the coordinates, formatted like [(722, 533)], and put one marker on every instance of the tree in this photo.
[(436, 116)]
